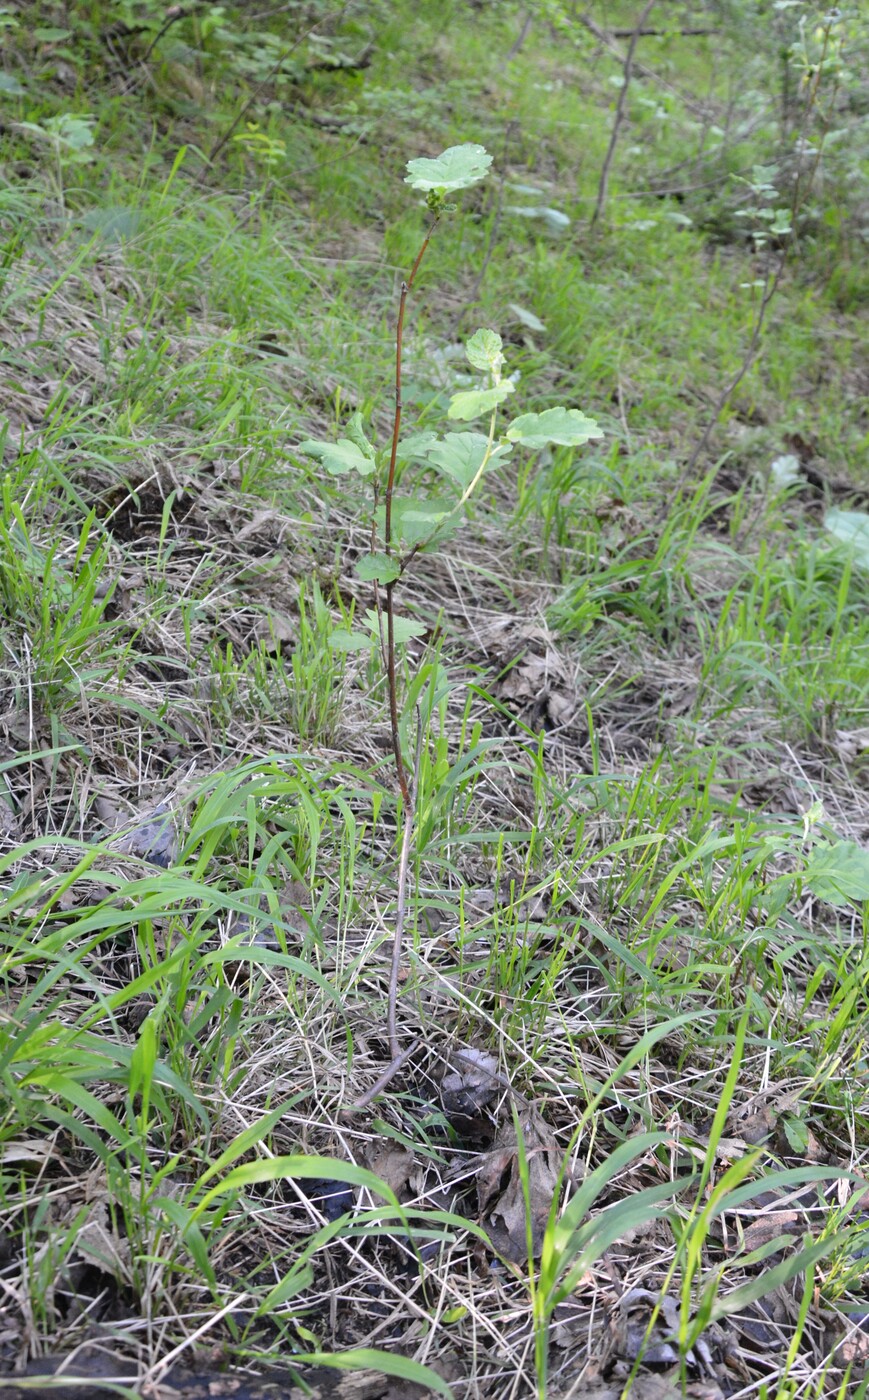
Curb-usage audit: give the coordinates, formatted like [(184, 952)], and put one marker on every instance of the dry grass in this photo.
[(627, 986)]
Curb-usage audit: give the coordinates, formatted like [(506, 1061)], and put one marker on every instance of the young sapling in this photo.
[(408, 525)]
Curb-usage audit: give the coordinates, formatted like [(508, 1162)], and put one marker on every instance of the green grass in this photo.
[(638, 882)]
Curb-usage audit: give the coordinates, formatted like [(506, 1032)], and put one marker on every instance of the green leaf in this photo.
[(473, 403), (484, 351), (566, 427), (839, 873), (356, 435), (414, 520), (526, 317), (339, 457), (305, 1167), (851, 527), (460, 454), (341, 640), (404, 627), (244, 1141), (771, 1279), (415, 446), (782, 222), (455, 169), (386, 1362), (382, 567), (797, 1134)]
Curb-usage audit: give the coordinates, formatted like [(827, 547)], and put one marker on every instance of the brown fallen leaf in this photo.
[(99, 1243), (505, 1203), (773, 1225), (471, 1083), (393, 1164), (853, 1349), (274, 630), (756, 1127), (852, 743)]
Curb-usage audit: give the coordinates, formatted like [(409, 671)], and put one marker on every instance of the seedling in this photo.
[(408, 525)]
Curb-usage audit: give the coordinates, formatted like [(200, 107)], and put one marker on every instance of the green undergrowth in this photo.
[(642, 696)]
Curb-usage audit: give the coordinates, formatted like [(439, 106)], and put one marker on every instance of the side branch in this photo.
[(620, 114)]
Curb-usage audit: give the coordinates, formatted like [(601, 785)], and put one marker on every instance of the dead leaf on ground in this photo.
[(471, 1083), (756, 1127), (852, 743), (256, 522), (274, 630), (99, 1243), (500, 1192), (853, 1348), (295, 905), (773, 1225), (33, 1152), (153, 838), (649, 1387), (393, 1164), (10, 827)]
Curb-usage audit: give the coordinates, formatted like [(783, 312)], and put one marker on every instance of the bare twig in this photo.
[(801, 189), (173, 14), (662, 33), (387, 1076), (516, 47), (609, 42), (260, 87), (619, 116), (511, 126)]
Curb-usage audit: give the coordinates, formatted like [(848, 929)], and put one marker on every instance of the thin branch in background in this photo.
[(801, 190), (173, 14), (242, 112), (620, 115), (662, 33), (609, 42), (499, 210), (516, 47)]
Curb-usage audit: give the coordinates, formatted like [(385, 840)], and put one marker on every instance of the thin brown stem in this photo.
[(387, 522), (620, 114), (398, 932), (400, 913), (408, 797), (387, 1076)]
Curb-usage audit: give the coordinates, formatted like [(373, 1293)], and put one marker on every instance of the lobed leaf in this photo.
[(839, 872), (474, 403), (383, 568), (460, 455), (417, 445), (414, 519), (851, 527), (456, 168), (339, 457), (405, 627), (342, 640), (356, 435), (564, 427)]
